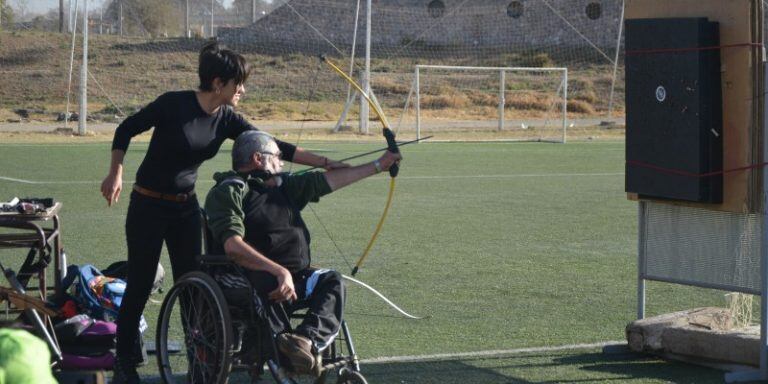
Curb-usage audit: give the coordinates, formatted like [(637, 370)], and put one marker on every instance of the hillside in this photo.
[(126, 73)]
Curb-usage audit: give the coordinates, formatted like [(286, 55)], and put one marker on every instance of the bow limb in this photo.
[(357, 86), (381, 296), (391, 146)]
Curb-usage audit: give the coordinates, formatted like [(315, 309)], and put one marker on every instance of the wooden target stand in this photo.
[(743, 76)]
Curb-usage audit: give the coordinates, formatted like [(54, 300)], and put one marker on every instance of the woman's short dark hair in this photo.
[(219, 61)]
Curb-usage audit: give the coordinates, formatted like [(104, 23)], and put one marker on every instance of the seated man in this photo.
[(255, 212)]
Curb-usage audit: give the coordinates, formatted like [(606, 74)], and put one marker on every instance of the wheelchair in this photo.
[(221, 335)]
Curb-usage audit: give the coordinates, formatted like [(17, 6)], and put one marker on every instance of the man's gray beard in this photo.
[(272, 171), (269, 168)]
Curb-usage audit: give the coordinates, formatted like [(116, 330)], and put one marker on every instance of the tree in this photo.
[(22, 6), (244, 8), (6, 15), (147, 16)]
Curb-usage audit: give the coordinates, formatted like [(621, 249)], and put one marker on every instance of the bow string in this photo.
[(391, 146)]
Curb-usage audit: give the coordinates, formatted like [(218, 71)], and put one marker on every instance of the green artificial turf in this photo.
[(501, 245)]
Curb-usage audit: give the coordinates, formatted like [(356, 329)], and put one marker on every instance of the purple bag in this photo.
[(84, 331), (70, 361)]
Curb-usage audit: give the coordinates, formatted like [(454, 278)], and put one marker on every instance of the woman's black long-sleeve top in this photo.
[(184, 136)]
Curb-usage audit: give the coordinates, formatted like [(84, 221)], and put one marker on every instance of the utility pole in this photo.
[(61, 16), (367, 74), (81, 120), (101, 20), (72, 15), (187, 32), (212, 1), (253, 11), (120, 17)]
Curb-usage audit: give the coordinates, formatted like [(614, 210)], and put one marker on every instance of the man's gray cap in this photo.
[(248, 143)]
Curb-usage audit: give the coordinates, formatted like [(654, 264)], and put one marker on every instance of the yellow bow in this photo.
[(392, 146)]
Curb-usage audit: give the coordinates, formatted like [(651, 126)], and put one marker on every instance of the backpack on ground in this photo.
[(98, 296)]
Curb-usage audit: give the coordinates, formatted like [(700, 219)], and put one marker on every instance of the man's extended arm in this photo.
[(339, 178), (310, 186), (305, 157)]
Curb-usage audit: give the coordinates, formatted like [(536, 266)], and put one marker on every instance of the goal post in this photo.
[(506, 103)]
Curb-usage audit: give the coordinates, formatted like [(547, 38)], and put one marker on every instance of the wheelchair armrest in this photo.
[(214, 259)]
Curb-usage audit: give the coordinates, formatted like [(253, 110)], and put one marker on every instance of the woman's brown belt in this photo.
[(177, 197)]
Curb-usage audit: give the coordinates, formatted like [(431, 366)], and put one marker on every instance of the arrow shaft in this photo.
[(367, 153)]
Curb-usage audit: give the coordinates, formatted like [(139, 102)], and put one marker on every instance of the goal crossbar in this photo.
[(517, 69)]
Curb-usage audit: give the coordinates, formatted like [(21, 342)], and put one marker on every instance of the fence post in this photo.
[(502, 96), (367, 74), (61, 15), (81, 120), (212, 3), (565, 103), (418, 104), (187, 32)]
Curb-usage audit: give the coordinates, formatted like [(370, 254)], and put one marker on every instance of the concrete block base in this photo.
[(704, 335)]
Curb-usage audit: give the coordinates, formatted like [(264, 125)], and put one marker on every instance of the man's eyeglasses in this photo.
[(278, 154)]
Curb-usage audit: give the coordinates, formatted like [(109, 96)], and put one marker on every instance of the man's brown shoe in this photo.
[(298, 349)]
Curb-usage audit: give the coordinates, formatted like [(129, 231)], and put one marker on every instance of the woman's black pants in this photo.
[(149, 223)]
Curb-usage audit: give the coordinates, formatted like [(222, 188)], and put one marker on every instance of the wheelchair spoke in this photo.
[(196, 310)]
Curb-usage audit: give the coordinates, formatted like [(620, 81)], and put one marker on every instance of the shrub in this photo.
[(527, 101), (578, 106), (444, 101)]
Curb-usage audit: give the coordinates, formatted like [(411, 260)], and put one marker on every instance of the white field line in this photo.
[(64, 182), (437, 177), (511, 176), (479, 354), (18, 180), (491, 353)]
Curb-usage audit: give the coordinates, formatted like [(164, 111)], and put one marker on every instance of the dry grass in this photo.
[(454, 101), (530, 101), (132, 72), (325, 135), (61, 137), (388, 86), (483, 98), (582, 107)]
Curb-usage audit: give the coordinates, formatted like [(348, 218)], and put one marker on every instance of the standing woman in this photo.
[(190, 126)]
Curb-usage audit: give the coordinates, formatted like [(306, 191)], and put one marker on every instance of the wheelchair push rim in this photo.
[(348, 376), (196, 308)]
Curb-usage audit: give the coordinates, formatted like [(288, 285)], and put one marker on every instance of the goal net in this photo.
[(494, 103)]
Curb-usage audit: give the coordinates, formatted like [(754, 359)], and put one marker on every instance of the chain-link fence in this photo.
[(139, 49)]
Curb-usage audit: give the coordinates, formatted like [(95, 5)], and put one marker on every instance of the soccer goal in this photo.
[(491, 103)]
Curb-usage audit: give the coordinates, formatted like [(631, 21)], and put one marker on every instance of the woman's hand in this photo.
[(111, 187)]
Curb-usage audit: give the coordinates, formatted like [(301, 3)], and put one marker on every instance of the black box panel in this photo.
[(674, 109)]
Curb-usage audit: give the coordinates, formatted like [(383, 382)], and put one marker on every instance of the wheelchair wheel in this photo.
[(348, 376), (194, 332)]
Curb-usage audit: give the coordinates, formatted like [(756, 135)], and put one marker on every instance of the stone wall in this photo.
[(453, 26)]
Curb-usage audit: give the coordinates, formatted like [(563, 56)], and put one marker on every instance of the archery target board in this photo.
[(673, 109), (740, 79)]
